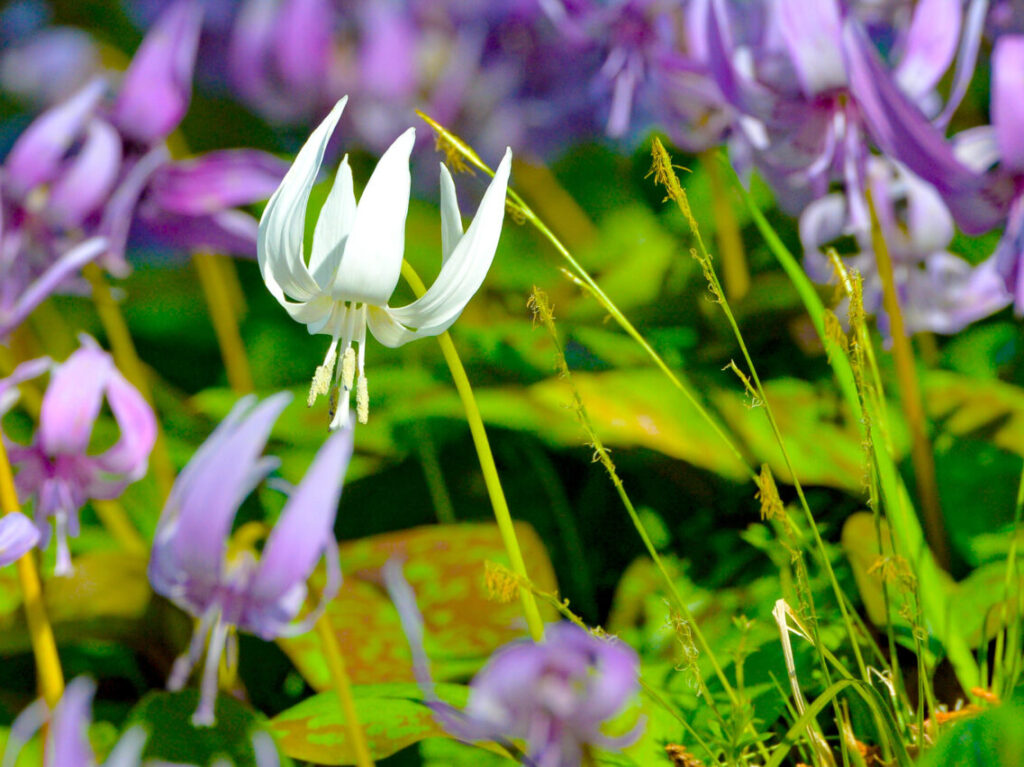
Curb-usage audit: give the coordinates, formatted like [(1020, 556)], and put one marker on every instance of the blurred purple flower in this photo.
[(939, 291), (67, 738), (979, 195), (554, 694), (49, 65), (224, 585), (280, 58), (57, 470), (17, 536)]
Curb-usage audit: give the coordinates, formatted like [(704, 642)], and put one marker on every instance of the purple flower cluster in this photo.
[(95, 167)]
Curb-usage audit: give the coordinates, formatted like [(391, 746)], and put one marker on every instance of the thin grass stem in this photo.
[(502, 515), (40, 632), (433, 474), (343, 688)]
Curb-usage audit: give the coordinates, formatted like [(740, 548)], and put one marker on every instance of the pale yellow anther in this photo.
[(322, 377), (348, 368), (362, 400)]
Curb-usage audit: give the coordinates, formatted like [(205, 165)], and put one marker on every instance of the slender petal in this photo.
[(298, 540), (206, 504), (333, 227), (18, 534), (216, 181), (68, 264), (86, 182), (451, 219), (810, 29), (67, 742), (129, 456), (282, 227), (460, 277), (372, 260), (1008, 99), (157, 86), (73, 399), (26, 371), (930, 45), (37, 155), (304, 42)]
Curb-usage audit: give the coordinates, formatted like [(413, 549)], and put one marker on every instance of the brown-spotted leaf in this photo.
[(444, 564)]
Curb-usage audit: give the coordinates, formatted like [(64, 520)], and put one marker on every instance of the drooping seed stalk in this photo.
[(502, 515), (214, 274), (44, 646), (128, 361), (910, 395), (343, 688)]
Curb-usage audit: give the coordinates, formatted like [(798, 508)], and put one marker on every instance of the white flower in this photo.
[(356, 258)]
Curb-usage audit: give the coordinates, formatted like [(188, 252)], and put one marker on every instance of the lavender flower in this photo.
[(17, 536), (938, 290), (225, 585), (67, 742), (57, 470), (555, 694)]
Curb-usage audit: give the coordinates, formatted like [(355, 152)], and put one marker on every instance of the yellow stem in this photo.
[(222, 306), (343, 687), (727, 231), (487, 466), (128, 361), (910, 395), (44, 646)]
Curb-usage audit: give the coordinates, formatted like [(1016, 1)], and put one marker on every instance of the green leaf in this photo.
[(393, 716), (444, 564), (172, 736), (994, 739)]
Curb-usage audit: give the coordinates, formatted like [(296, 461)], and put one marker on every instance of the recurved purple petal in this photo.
[(37, 155), (18, 534), (157, 86), (26, 371), (1008, 99), (303, 43), (231, 232), (930, 45), (216, 181), (129, 456), (299, 538), (85, 183), (73, 399)]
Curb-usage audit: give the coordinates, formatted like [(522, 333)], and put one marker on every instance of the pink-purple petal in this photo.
[(1008, 100), (18, 535), (73, 399)]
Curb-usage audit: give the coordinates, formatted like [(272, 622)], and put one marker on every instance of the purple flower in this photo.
[(939, 291), (225, 585), (49, 65), (554, 694), (57, 470), (17, 536), (280, 57), (67, 739)]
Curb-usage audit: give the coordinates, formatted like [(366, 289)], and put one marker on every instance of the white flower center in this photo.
[(348, 323)]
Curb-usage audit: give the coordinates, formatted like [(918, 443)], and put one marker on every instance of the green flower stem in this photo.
[(213, 280), (44, 646), (487, 466), (343, 687), (910, 395), (128, 361)]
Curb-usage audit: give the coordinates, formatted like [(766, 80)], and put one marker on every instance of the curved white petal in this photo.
[(283, 224), (460, 277), (372, 260), (332, 228), (451, 219)]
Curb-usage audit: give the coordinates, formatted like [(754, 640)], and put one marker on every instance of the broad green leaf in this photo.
[(393, 716), (173, 738), (445, 567), (990, 409), (994, 739)]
